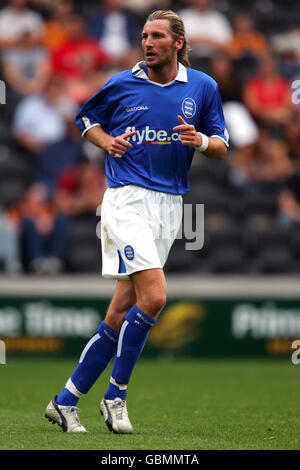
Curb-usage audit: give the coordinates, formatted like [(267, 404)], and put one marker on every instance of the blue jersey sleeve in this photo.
[(212, 122), (96, 111)]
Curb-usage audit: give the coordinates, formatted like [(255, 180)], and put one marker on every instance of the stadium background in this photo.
[(239, 295)]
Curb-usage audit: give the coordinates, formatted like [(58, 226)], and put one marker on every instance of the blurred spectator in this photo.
[(267, 95), (242, 129), (9, 244), (147, 5), (58, 156), (42, 7), (80, 189), (272, 163), (289, 198), (223, 71), (246, 42), (25, 67), (286, 45), (40, 119), (80, 61), (56, 32), (44, 232), (140, 10), (207, 30), (260, 165), (16, 20), (292, 137), (244, 135), (117, 32)]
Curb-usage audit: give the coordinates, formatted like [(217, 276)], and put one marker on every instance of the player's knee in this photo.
[(116, 313), (160, 301), (115, 319), (153, 303)]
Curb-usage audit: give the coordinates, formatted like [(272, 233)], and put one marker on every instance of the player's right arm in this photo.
[(95, 116), (115, 146)]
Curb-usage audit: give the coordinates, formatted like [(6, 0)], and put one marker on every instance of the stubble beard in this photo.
[(161, 65)]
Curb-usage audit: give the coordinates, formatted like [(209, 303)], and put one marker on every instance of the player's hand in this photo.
[(118, 145), (188, 133)]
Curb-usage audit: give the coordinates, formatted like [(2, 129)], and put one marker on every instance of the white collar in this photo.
[(139, 72)]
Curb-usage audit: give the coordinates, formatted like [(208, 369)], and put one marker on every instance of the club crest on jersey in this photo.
[(188, 107), (129, 252)]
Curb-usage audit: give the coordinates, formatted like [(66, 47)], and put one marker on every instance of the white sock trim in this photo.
[(120, 341), (120, 386), (71, 387), (87, 347)]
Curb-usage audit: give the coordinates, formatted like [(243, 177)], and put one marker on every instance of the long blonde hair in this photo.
[(177, 29)]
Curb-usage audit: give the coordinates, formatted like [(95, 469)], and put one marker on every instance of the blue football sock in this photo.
[(115, 391), (132, 338), (66, 398), (93, 361)]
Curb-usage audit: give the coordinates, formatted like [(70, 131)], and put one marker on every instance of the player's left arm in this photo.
[(211, 147)]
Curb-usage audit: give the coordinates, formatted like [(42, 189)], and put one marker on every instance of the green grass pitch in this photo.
[(178, 404)]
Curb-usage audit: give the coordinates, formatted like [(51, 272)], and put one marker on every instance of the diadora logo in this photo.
[(152, 136), (137, 108), (188, 107)]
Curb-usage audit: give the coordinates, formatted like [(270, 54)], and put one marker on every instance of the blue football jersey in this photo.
[(129, 101)]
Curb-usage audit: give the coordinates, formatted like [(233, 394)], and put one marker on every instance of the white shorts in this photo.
[(138, 228)]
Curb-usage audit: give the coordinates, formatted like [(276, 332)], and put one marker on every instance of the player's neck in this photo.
[(164, 74)]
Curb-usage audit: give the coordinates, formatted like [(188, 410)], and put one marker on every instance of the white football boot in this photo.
[(116, 416), (65, 416)]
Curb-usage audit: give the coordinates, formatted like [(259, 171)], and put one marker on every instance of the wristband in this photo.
[(204, 144)]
